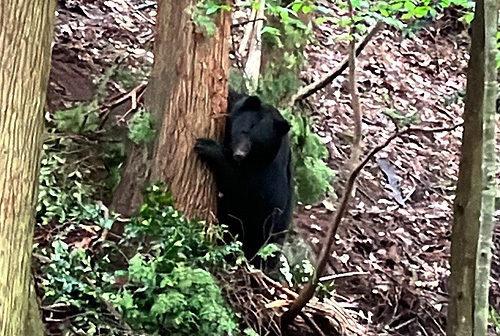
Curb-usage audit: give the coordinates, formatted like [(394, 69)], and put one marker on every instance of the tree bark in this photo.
[(187, 95), (489, 169), (467, 206), (34, 324), (25, 38)]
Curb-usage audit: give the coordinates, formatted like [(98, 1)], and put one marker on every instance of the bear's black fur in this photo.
[(253, 172)]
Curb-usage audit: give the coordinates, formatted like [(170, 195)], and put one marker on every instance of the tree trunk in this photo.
[(489, 168), (467, 204), (188, 96), (34, 324), (25, 37)]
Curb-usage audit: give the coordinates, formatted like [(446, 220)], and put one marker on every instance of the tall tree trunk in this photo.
[(187, 96), (465, 231), (25, 36), (489, 169)]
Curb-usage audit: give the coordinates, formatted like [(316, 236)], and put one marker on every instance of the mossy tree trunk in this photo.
[(187, 96), (25, 37)]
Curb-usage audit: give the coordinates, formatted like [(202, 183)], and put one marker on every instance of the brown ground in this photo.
[(399, 252)]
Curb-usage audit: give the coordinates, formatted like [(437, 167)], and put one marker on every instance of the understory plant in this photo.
[(156, 279)]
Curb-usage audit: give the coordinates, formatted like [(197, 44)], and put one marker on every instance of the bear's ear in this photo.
[(252, 103), (282, 127)]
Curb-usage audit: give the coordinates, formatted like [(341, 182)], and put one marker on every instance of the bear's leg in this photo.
[(212, 153)]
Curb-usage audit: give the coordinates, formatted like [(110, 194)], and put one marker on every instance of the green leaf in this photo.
[(420, 12), (307, 9), (406, 16), (409, 6), (270, 30), (297, 5), (212, 9)]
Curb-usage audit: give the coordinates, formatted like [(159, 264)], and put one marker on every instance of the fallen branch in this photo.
[(308, 291), (328, 78)]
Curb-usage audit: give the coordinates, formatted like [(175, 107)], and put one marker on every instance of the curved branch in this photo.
[(308, 291)]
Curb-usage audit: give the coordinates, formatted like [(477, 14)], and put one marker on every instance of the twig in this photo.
[(328, 78), (277, 285), (338, 276), (433, 130), (435, 322), (404, 324), (312, 324), (145, 6), (247, 22), (133, 94)]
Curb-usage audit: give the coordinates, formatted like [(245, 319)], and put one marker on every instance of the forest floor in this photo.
[(395, 255)]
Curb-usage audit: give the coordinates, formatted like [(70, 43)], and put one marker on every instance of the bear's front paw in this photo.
[(207, 148)]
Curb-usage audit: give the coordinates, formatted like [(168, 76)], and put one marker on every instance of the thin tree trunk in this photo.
[(253, 42), (187, 95), (467, 204), (25, 36), (483, 261), (355, 105)]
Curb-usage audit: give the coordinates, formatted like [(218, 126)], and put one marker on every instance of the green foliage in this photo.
[(237, 81), (456, 97), (403, 118), (203, 13), (81, 118), (268, 251), (140, 127), (183, 300), (64, 275), (65, 188), (249, 332), (73, 174), (498, 48), (313, 177), (180, 239), (131, 77), (153, 277), (75, 170), (495, 320), (406, 15)]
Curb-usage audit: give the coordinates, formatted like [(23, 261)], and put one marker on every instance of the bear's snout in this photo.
[(241, 149)]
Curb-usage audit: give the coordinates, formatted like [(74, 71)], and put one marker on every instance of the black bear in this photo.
[(252, 170)]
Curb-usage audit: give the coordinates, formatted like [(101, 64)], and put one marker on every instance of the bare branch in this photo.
[(308, 291), (328, 78)]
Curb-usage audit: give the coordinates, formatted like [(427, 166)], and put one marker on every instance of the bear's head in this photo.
[(256, 130)]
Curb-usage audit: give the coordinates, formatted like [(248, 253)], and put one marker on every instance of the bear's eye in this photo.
[(252, 126)]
